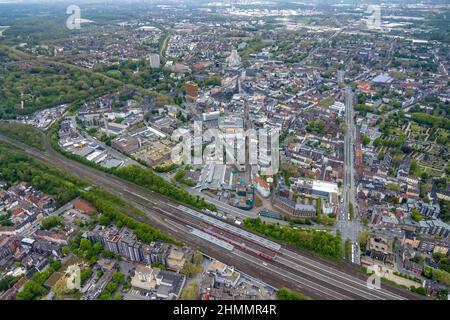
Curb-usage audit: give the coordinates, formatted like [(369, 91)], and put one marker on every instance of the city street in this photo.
[(350, 227)]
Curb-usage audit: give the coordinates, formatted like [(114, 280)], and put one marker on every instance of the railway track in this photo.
[(296, 266), (169, 218)]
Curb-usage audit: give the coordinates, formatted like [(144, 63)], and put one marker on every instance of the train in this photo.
[(240, 245), (265, 243)]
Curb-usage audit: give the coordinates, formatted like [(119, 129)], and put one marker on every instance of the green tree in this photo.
[(319, 206), (198, 258), (442, 294), (30, 291), (85, 244), (51, 222), (85, 274), (393, 187), (286, 294), (415, 215), (189, 269), (190, 292), (7, 282), (365, 140), (319, 242), (112, 286), (348, 249), (363, 238), (419, 290), (351, 211)]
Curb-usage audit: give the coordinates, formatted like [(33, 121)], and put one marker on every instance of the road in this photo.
[(326, 280), (441, 67), (36, 225), (236, 212), (350, 227), (316, 277)]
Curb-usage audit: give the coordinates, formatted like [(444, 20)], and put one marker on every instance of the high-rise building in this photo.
[(155, 61), (234, 60)]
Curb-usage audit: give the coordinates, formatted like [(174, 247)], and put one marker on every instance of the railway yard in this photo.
[(282, 261), (276, 264)]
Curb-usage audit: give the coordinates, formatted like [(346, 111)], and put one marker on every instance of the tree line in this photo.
[(320, 242)]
